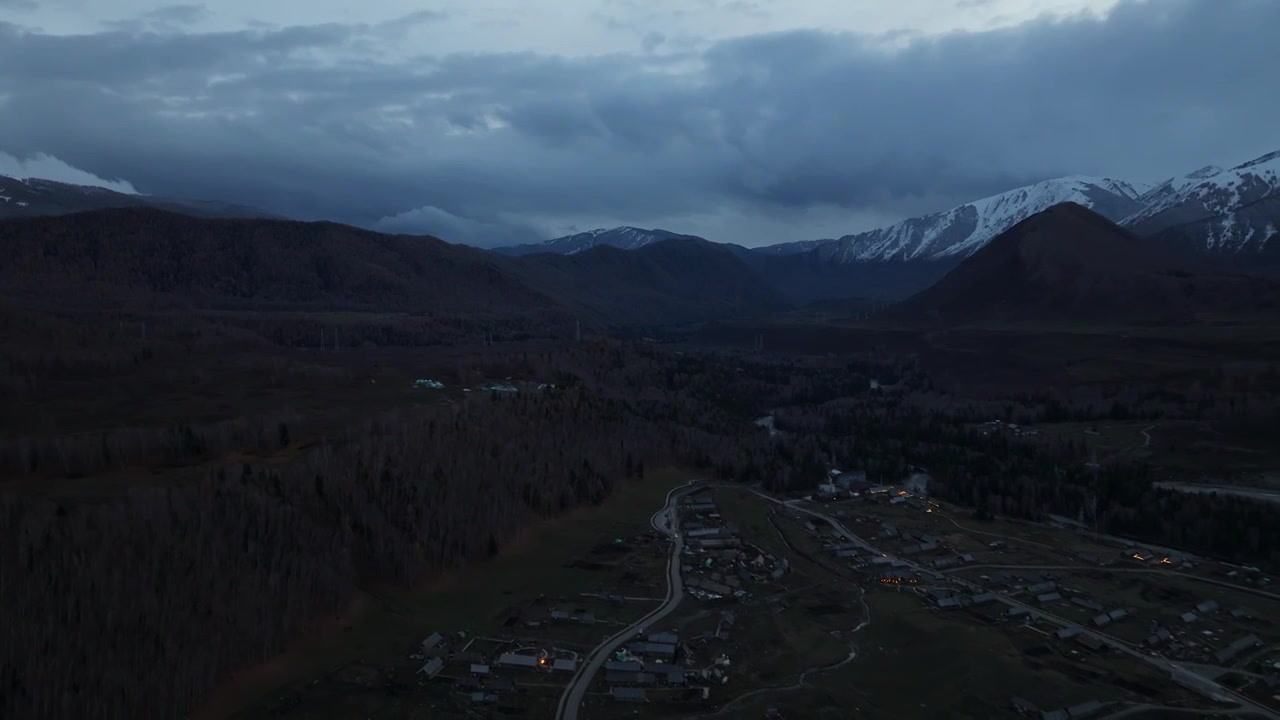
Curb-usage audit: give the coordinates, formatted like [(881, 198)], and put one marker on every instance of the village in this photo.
[(780, 588), (1097, 600), (541, 646)]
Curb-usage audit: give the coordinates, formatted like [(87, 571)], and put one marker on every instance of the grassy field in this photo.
[(386, 623), (915, 663)]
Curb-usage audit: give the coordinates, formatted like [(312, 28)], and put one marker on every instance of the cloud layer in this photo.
[(51, 168), (802, 133)]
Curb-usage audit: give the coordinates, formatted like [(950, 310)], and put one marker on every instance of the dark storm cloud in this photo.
[(317, 121)]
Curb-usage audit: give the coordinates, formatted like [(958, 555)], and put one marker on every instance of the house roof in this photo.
[(517, 660), (1089, 641), (652, 648)]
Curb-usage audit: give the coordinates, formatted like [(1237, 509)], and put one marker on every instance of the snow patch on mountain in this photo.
[(625, 238), (1175, 185)]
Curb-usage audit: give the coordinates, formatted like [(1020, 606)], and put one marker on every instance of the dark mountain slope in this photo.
[(144, 257), (668, 282), (1070, 264), (808, 277), (148, 259)]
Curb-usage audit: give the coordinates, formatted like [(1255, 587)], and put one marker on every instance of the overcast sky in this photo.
[(750, 121)]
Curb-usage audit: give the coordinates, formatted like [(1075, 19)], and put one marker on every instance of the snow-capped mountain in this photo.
[(961, 231), (1225, 211), (625, 238)]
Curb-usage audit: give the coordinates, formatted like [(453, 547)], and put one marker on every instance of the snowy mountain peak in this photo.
[(1204, 172), (1218, 192), (961, 231), (624, 237), (1230, 210)]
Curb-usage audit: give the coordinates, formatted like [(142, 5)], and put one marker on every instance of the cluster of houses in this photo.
[(897, 569), (1193, 640), (645, 663), (1247, 576), (945, 598), (655, 666), (849, 485), (717, 563), (993, 427), (488, 677)]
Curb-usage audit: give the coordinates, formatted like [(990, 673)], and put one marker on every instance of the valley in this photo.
[(649, 361), (335, 444)]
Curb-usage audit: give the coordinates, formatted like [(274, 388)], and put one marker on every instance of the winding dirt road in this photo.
[(666, 522)]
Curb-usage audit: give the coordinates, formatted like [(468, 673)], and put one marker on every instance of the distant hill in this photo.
[(623, 238), (1070, 264), (36, 198), (675, 281), (144, 258)]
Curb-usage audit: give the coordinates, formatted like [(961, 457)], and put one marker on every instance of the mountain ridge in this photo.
[(958, 232), (38, 197), (1069, 263), (1235, 210), (962, 230), (146, 258), (624, 237), (676, 281)]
